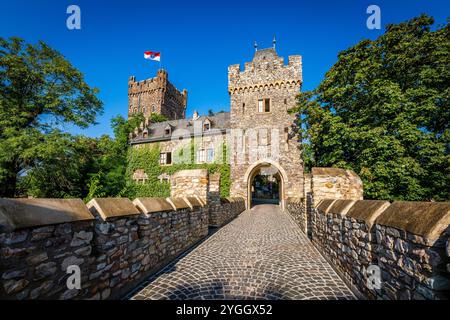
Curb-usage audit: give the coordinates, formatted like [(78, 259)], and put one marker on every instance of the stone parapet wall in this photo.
[(115, 243), (296, 207), (335, 183), (227, 210), (407, 242), (192, 183)]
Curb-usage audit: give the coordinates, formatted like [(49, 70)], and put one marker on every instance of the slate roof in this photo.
[(156, 131)]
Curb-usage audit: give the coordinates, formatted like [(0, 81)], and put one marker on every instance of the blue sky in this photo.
[(198, 39)]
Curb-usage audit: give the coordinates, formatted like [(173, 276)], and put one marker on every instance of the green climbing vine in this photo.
[(146, 157)]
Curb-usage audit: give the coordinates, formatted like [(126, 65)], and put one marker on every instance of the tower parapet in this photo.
[(266, 68)]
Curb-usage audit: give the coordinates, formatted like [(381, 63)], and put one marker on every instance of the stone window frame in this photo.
[(262, 108), (140, 177)]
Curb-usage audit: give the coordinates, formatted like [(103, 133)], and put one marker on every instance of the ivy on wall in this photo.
[(146, 157)]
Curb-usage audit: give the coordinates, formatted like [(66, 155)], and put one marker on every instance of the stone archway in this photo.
[(254, 170)]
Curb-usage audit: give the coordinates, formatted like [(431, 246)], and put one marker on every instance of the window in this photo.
[(201, 156), (165, 158), (263, 105), (206, 126), (167, 131), (144, 110), (285, 101), (243, 107), (210, 155), (153, 109), (140, 177)]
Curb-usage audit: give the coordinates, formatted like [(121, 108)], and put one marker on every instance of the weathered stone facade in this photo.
[(156, 95), (262, 128)]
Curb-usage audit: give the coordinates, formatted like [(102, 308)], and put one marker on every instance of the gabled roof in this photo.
[(156, 131)]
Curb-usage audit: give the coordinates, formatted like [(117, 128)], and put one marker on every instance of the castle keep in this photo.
[(258, 130), (156, 95)]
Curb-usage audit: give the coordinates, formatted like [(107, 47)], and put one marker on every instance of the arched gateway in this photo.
[(265, 155), (270, 169)]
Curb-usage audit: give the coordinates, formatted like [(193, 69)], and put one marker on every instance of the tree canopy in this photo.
[(383, 111), (39, 92)]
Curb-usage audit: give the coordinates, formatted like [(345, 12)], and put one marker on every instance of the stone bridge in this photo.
[(262, 254), (328, 244)]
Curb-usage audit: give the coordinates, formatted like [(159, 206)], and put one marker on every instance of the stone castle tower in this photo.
[(261, 96), (156, 95)]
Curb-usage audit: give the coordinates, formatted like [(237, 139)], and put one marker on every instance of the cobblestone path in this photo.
[(262, 254)]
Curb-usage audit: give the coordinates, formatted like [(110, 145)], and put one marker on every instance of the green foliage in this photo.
[(147, 158), (155, 117), (40, 91), (383, 111)]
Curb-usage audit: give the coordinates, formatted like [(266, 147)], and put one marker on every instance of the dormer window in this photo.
[(167, 131), (207, 125)]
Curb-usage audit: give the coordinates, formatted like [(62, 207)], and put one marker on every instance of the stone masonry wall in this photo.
[(190, 183), (407, 242), (116, 243), (296, 207), (226, 210)]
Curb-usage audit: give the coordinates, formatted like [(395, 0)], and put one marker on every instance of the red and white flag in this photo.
[(151, 55)]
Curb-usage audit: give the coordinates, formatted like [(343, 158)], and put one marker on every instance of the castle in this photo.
[(259, 131)]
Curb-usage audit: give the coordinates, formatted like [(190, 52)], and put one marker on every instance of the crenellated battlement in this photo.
[(266, 69)]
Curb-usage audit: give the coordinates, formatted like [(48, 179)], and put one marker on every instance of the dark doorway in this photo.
[(266, 188)]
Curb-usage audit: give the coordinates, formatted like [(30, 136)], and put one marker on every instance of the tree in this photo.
[(155, 117), (39, 91), (109, 178), (383, 111)]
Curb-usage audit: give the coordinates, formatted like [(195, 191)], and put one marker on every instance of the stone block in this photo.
[(25, 213), (108, 208)]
